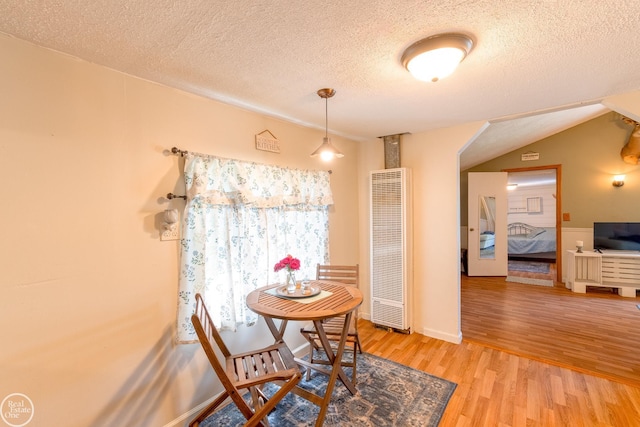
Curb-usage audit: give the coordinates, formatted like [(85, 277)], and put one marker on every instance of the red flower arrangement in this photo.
[(288, 262)]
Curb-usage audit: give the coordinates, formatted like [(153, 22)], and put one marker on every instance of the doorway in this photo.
[(534, 218)]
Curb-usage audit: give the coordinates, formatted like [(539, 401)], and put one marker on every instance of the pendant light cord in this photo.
[(326, 117)]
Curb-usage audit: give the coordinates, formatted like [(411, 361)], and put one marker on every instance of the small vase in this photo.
[(291, 282)]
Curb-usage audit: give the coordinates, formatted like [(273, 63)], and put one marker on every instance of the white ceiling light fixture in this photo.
[(436, 57), (327, 151)]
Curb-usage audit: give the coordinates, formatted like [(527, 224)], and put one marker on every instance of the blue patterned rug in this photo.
[(389, 394), (529, 266)]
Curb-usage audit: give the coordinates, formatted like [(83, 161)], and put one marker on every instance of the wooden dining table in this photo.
[(334, 299)]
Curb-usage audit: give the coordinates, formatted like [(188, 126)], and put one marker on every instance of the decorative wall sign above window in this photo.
[(526, 157), (519, 204), (266, 141)]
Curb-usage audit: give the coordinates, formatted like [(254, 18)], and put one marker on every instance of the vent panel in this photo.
[(389, 253), (388, 315)]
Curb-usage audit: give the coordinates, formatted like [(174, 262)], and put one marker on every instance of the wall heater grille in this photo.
[(391, 269)]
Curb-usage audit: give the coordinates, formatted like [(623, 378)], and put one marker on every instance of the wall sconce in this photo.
[(511, 187), (618, 181), (170, 230)]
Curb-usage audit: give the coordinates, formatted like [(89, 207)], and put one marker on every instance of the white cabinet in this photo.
[(618, 269), (584, 269)]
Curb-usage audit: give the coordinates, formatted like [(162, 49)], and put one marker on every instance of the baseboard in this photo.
[(181, 420), (455, 339)]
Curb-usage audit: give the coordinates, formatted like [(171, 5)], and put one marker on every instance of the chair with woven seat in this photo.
[(246, 371), (349, 275)]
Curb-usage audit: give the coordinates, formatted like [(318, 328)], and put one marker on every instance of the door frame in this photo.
[(558, 169)]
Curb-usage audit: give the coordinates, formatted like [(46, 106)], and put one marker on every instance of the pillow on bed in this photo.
[(535, 232)]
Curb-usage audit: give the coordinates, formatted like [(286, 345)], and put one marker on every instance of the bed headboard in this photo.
[(518, 228)]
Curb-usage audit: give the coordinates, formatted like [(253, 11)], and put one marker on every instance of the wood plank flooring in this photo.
[(597, 332), (590, 341)]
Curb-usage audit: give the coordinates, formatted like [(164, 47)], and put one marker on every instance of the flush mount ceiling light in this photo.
[(326, 151), (436, 57)]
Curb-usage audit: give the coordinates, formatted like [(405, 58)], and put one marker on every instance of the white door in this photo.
[(487, 224)]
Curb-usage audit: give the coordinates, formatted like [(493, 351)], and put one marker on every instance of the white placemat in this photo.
[(308, 300)]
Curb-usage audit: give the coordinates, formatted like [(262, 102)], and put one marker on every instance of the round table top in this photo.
[(334, 300)]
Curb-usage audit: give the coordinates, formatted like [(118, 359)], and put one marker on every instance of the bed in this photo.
[(487, 240), (527, 240)]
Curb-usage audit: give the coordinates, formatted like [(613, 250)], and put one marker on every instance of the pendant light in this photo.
[(327, 151), (436, 57)]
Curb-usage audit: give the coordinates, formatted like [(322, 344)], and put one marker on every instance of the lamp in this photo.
[(436, 57), (618, 181), (511, 187), (326, 150)]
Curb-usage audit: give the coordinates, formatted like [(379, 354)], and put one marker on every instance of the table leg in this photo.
[(335, 359), (278, 333), (336, 365)]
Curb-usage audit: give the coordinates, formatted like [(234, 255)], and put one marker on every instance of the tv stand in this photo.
[(610, 269)]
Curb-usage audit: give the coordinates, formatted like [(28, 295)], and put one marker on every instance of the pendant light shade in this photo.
[(327, 151), (436, 57)]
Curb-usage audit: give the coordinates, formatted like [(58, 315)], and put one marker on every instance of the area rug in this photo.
[(529, 266), (389, 394), (529, 281)]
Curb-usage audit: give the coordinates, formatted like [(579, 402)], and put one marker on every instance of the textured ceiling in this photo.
[(530, 57)]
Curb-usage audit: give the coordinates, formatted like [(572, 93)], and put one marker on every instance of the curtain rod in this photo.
[(182, 153), (177, 151), (175, 196)]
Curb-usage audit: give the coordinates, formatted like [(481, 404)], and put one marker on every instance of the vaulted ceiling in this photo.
[(537, 67)]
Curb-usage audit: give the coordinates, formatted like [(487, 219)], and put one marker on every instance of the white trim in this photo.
[(456, 339), (182, 418)]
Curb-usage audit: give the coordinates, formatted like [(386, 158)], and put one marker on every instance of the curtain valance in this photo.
[(218, 181)]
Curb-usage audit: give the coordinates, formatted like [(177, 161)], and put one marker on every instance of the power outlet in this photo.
[(170, 235)]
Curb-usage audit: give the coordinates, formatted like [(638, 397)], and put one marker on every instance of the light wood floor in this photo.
[(502, 383), (597, 332)]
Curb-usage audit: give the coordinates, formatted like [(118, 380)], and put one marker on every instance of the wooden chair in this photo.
[(246, 371), (349, 275)]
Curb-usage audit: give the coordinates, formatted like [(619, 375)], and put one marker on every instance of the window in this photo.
[(240, 219)]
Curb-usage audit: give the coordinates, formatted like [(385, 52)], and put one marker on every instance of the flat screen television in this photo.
[(621, 236)]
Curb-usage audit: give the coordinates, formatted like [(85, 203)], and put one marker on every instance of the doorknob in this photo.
[(472, 229)]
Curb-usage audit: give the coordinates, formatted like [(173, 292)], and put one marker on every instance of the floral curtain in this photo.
[(240, 219)]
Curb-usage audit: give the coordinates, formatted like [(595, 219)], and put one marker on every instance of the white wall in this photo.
[(547, 215), (88, 292)]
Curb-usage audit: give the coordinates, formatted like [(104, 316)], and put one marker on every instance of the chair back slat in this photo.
[(244, 371), (334, 326), (207, 335), (347, 274)]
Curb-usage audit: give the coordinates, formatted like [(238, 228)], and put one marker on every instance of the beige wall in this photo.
[(87, 290), (433, 160), (590, 155)]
